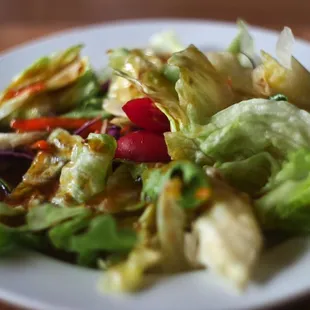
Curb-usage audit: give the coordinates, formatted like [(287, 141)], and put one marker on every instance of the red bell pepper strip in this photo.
[(30, 88), (142, 146), (49, 123), (144, 113)]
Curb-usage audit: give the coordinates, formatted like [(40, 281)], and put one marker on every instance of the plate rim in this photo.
[(135, 21)]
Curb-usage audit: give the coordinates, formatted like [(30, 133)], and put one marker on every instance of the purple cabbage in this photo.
[(80, 130), (104, 87), (114, 131)]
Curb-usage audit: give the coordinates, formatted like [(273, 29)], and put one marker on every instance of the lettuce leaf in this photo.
[(26, 227), (195, 190), (89, 108), (285, 204), (128, 276), (61, 234), (252, 174), (122, 192), (53, 84), (88, 113), (243, 44), (89, 236), (232, 70), (170, 219), (48, 215), (201, 90), (86, 173), (286, 76), (114, 239), (131, 63), (46, 68), (165, 42), (149, 79), (230, 240), (46, 166), (75, 230), (243, 130), (12, 140), (8, 237)]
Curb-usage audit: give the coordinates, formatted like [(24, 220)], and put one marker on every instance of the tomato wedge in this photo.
[(142, 146), (49, 123), (144, 113)]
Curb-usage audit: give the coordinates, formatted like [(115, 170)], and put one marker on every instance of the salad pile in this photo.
[(170, 160)]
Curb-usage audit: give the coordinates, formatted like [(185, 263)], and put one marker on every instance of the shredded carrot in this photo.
[(203, 193), (41, 145)]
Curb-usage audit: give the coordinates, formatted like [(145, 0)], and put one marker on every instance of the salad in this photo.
[(169, 160)]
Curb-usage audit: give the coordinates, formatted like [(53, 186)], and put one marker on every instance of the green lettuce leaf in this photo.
[(18, 228), (12, 140), (75, 230), (88, 113), (102, 234), (147, 224), (46, 68), (165, 43), (5, 210), (86, 173), (170, 219), (53, 84), (48, 215), (285, 204), (131, 63), (201, 90), (283, 76), (8, 237), (196, 188), (234, 71), (46, 166), (250, 175), (61, 234), (243, 130), (128, 276), (89, 108), (243, 42), (122, 192)]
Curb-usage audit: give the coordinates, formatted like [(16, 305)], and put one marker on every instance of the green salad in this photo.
[(170, 160)]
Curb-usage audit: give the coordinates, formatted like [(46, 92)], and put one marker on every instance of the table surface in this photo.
[(23, 20)]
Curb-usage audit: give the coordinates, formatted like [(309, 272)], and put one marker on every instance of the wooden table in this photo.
[(22, 20)]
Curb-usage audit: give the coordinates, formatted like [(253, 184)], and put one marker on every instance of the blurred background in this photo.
[(22, 20)]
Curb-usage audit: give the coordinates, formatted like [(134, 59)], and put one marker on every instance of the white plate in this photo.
[(39, 282)]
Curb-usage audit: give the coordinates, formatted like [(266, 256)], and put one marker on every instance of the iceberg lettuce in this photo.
[(286, 199), (53, 84), (229, 237), (85, 175)]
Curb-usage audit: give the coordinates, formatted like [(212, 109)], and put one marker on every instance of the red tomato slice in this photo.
[(144, 113), (142, 146)]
